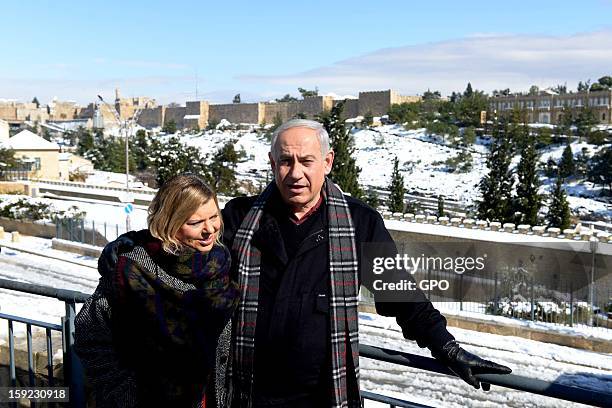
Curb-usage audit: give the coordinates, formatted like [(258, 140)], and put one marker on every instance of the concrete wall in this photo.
[(235, 112), (30, 228)]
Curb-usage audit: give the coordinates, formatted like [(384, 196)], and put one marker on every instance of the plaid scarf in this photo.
[(344, 298)]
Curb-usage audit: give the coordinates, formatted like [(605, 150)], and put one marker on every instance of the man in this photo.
[(294, 337), (294, 251)]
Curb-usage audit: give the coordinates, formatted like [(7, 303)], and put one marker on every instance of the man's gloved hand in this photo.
[(110, 254), (466, 364)]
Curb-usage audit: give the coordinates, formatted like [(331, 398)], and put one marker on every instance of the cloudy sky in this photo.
[(175, 51)]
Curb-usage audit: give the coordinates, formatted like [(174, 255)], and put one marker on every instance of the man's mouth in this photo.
[(296, 187)]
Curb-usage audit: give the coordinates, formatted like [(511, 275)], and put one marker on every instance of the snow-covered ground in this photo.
[(526, 357)]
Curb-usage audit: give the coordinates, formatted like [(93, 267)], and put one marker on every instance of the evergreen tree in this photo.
[(558, 211), (223, 169), (345, 171), (108, 154), (469, 136), (139, 149), (566, 164), (468, 90), (396, 189), (528, 200), (35, 101), (368, 119), (7, 159), (372, 198), (585, 121), (171, 158), (306, 93), (601, 169), (496, 185), (169, 127)]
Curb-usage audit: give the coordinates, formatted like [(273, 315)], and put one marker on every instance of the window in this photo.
[(37, 163)]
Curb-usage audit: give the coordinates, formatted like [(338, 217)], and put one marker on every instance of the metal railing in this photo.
[(74, 375), (73, 372)]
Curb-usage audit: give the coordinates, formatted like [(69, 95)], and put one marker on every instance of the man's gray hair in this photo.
[(303, 123)]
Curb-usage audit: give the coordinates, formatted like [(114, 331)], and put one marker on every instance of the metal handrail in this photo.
[(74, 373), (513, 381), (64, 295)]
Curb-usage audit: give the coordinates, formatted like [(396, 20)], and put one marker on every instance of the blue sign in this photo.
[(128, 208)]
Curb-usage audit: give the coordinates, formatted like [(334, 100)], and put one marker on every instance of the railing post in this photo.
[(571, 323), (495, 304), (532, 302), (73, 371)]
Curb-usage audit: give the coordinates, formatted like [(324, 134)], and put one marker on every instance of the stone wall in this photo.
[(176, 114), (377, 103), (152, 117), (235, 112)]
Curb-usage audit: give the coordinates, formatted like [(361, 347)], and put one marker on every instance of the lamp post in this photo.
[(123, 129)]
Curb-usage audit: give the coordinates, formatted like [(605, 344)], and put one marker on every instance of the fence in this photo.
[(74, 376), (516, 294), (87, 231)]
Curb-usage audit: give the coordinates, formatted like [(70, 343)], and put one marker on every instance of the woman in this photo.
[(147, 336)]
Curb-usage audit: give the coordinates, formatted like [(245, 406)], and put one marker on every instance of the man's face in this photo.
[(300, 169)]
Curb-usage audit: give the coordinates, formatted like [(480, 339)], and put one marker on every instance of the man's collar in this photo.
[(299, 221)]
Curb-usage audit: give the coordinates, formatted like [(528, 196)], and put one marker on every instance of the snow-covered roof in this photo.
[(26, 140)]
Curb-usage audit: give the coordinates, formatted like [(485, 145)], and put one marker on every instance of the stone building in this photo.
[(41, 155), (547, 107)]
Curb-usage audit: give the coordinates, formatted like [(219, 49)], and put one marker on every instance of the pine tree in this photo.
[(345, 171), (567, 166), (558, 211), (372, 198), (223, 170), (396, 189), (171, 158), (496, 186), (528, 200), (601, 169), (169, 127), (139, 149)]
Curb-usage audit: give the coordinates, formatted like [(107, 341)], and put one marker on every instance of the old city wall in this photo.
[(176, 114), (152, 117), (377, 103), (235, 112)]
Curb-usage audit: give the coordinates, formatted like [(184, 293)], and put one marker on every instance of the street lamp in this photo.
[(123, 129)]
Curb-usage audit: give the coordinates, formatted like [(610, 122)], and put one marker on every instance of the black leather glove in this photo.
[(110, 254), (466, 364)]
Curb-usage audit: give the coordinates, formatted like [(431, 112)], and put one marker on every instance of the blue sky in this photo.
[(75, 50)]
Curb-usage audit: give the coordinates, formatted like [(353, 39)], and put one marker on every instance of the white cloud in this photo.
[(487, 61)]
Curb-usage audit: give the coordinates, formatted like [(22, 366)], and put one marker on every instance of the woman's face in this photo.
[(201, 229)]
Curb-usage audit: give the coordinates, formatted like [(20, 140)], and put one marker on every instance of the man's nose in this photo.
[(296, 172)]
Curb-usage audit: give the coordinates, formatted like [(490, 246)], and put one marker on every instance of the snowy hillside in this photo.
[(422, 162)]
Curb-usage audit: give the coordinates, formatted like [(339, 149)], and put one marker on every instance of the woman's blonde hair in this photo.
[(175, 202)]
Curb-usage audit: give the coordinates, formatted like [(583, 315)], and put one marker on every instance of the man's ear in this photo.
[(272, 162), (328, 161)]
